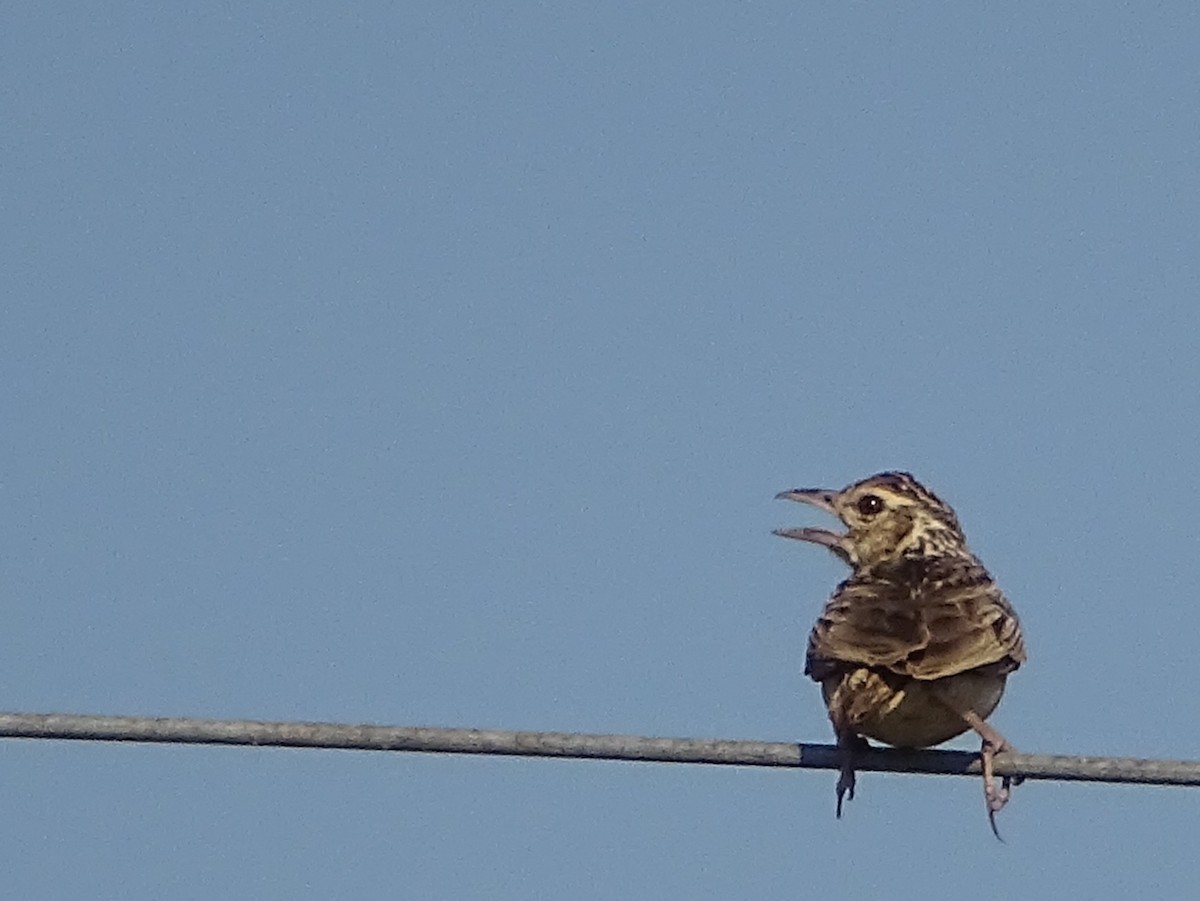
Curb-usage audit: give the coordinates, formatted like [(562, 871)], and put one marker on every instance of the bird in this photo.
[(915, 647)]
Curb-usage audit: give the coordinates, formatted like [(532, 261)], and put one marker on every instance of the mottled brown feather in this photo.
[(919, 626), (933, 621), (917, 645)]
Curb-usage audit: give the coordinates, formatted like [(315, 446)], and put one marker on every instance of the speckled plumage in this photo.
[(916, 645)]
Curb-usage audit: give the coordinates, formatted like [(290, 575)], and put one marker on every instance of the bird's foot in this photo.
[(845, 786), (848, 745), (994, 796)]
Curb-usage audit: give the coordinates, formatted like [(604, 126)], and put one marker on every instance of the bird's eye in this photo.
[(870, 504)]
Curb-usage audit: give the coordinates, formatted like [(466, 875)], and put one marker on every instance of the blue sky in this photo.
[(438, 363)]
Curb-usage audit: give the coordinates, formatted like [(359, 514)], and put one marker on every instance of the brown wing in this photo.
[(942, 625)]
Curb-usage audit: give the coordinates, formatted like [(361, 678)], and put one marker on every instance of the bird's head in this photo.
[(889, 518)]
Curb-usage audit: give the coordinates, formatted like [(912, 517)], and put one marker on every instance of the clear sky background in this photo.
[(437, 363)]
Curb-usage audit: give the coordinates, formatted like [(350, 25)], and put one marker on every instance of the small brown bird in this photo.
[(915, 647)]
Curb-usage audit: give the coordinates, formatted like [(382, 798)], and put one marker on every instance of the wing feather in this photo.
[(949, 619)]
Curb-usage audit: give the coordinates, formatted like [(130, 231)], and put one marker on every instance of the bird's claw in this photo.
[(845, 788), (849, 744), (994, 796)]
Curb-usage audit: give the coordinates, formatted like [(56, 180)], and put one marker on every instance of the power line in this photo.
[(432, 740)]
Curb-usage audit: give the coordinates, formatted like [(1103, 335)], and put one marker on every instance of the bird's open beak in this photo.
[(822, 499)]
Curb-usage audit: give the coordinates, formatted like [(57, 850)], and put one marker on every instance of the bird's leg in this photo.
[(993, 743), (995, 797), (849, 743)]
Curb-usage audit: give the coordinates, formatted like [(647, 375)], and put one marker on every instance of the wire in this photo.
[(432, 740)]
